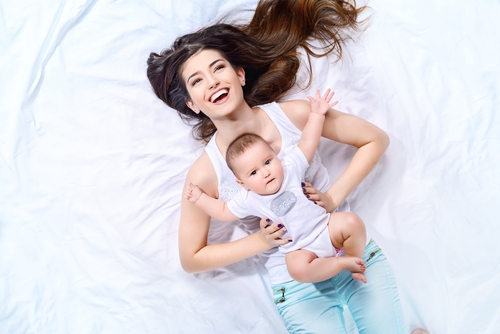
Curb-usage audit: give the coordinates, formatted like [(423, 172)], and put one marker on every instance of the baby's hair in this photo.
[(239, 145)]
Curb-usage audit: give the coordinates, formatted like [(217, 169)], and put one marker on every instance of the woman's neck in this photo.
[(244, 120)]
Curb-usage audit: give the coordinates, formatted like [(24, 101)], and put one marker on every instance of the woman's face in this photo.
[(213, 85)]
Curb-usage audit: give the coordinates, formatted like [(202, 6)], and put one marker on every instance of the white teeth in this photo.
[(218, 94)]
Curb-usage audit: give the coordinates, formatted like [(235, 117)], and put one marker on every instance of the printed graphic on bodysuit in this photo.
[(282, 204)]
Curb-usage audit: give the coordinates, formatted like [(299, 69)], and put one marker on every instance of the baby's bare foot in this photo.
[(352, 263), (355, 265), (359, 277)]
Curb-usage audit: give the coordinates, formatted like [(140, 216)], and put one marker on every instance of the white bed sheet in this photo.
[(92, 166)]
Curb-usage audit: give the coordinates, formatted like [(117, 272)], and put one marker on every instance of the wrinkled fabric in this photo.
[(92, 167)]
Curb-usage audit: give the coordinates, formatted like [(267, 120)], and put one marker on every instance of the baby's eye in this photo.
[(253, 172), (268, 161)]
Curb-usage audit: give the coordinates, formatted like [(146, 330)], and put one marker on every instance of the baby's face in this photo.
[(258, 169)]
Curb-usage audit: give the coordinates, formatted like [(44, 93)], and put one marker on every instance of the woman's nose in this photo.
[(212, 82)]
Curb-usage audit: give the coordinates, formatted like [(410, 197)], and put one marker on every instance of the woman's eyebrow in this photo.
[(211, 64), (215, 61)]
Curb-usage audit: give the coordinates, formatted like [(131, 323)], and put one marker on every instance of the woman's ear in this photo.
[(241, 75), (191, 106)]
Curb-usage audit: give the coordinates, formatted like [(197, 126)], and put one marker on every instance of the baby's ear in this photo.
[(241, 183)]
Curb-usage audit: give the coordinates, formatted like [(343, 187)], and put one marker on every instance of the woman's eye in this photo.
[(195, 81), (219, 67)]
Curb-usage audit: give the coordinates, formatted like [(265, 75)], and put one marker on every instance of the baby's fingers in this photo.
[(328, 95), (318, 95)]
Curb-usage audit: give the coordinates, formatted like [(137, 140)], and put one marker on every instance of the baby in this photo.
[(272, 188)]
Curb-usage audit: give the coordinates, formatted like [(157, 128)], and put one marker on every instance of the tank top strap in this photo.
[(227, 185), (290, 135), (213, 153)]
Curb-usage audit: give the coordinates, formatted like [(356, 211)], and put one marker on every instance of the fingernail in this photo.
[(304, 189), (268, 220), (280, 225), (308, 196), (303, 184), (315, 203), (290, 240)]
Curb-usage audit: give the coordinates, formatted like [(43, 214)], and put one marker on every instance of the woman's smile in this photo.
[(220, 96)]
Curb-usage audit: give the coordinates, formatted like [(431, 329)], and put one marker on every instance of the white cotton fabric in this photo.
[(316, 174), (92, 167), (306, 223)]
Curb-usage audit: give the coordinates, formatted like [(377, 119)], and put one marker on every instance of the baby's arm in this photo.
[(311, 133), (215, 208)]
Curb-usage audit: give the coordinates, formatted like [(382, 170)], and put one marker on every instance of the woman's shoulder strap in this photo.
[(278, 116), (215, 157)]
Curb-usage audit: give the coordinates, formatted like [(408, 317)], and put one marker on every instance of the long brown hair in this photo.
[(266, 48)]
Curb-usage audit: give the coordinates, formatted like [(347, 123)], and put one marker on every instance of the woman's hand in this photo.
[(272, 233), (322, 199)]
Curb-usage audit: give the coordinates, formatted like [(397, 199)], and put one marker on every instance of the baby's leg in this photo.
[(348, 231), (304, 266)]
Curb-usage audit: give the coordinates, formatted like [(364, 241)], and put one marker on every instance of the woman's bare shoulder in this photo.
[(297, 111)]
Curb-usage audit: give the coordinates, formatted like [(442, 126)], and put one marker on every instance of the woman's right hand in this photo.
[(272, 233)]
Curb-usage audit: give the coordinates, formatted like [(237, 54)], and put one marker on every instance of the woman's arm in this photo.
[(344, 128), (195, 254)]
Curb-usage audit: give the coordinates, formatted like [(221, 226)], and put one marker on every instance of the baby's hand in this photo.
[(192, 192), (320, 105)]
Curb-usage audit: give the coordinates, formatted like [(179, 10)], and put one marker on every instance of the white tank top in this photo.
[(316, 174)]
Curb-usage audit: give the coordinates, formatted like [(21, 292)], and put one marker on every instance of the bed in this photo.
[(92, 166)]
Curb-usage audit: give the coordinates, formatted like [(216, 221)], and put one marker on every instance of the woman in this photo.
[(223, 79)]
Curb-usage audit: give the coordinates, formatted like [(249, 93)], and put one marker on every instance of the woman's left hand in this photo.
[(314, 195)]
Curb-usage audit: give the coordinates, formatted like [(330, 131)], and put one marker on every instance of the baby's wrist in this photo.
[(319, 113), (198, 198)]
